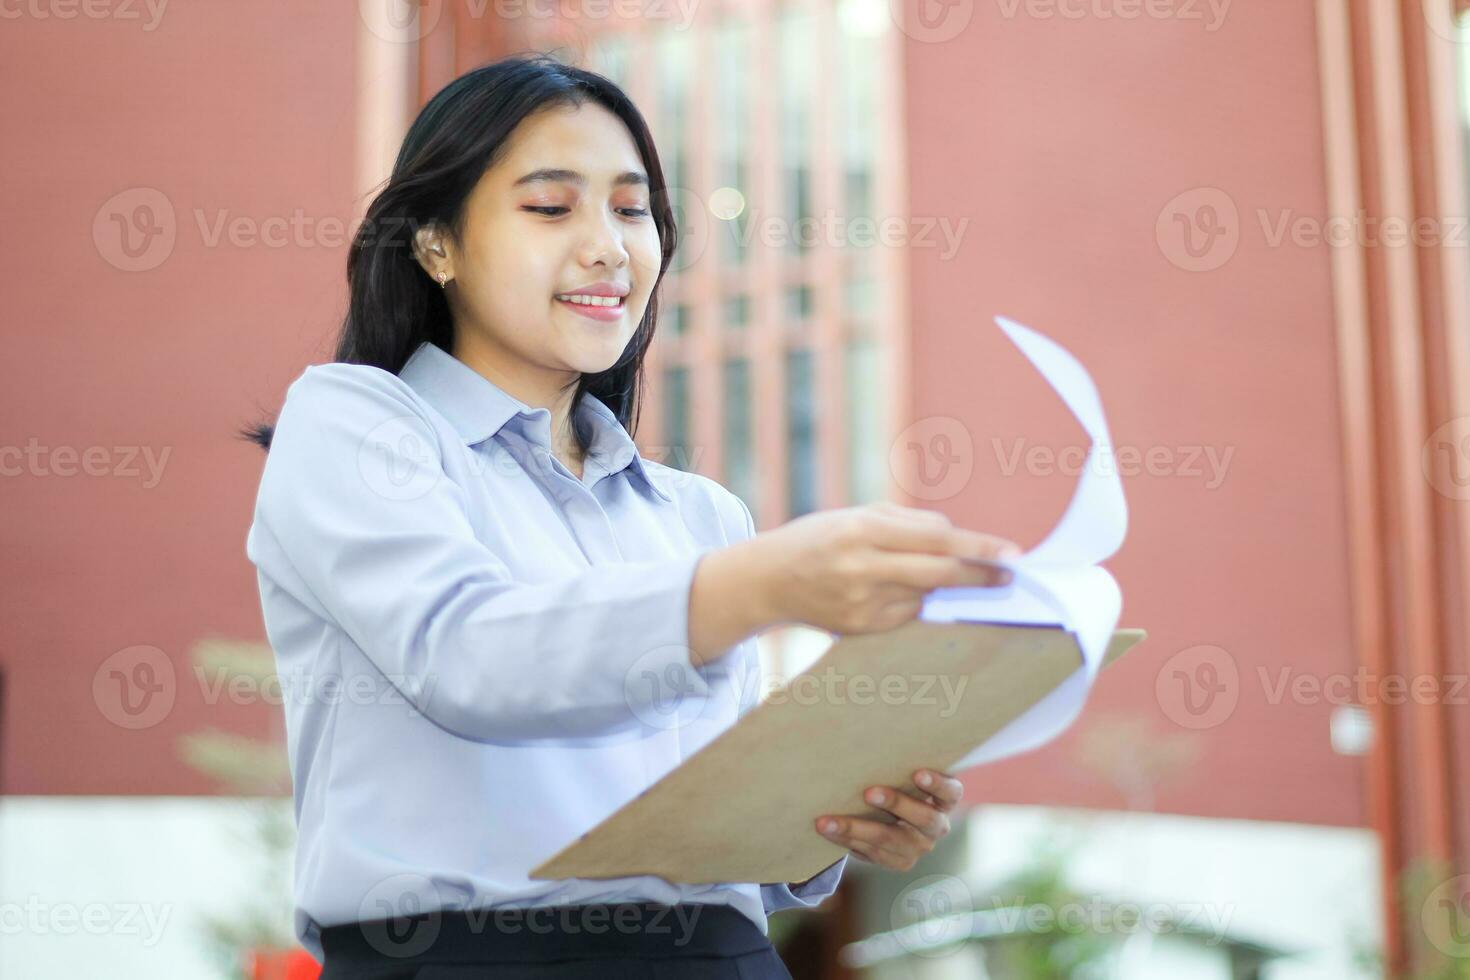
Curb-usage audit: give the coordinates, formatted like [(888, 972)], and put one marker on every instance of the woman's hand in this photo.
[(866, 569), (850, 570), (921, 822)]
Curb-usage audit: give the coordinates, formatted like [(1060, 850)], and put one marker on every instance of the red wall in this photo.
[(245, 110), (1062, 141)]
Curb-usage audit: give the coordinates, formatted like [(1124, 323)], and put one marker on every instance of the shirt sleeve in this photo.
[(406, 579), (807, 894), (782, 895)]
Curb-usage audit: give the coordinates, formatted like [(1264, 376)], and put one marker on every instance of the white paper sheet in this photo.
[(1057, 583)]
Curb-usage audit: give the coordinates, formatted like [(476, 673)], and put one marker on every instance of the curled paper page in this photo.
[(1057, 583)]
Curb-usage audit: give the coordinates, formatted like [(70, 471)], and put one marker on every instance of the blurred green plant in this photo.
[(1046, 954), (256, 772), (1426, 935)]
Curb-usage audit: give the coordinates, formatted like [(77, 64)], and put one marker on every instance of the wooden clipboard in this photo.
[(742, 808)]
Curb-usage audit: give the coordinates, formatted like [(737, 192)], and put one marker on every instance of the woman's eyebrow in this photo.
[(557, 174)]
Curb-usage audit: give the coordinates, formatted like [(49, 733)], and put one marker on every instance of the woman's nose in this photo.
[(604, 244)]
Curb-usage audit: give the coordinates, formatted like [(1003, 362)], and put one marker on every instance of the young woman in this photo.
[(494, 621)]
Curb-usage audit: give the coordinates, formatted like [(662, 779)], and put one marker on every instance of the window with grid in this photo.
[(774, 123)]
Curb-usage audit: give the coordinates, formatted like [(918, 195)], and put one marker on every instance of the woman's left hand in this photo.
[(921, 822)]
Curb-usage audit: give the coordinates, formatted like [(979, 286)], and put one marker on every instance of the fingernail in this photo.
[(877, 796), (828, 826), (925, 779)]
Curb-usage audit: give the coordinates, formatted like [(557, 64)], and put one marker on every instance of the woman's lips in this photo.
[(605, 314)]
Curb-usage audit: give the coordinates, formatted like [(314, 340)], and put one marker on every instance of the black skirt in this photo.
[(607, 941)]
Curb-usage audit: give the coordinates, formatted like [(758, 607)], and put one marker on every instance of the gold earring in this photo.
[(443, 278)]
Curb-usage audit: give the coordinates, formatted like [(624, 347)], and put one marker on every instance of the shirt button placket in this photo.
[(589, 523)]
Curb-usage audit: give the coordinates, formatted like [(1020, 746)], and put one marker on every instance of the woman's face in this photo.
[(565, 209)]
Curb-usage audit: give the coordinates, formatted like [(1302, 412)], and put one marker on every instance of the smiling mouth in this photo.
[(604, 308), (582, 299)]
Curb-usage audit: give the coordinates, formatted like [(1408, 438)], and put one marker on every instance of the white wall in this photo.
[(1285, 885), (116, 887)]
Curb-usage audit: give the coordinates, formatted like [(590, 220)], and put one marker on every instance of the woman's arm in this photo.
[(729, 601), (358, 521)]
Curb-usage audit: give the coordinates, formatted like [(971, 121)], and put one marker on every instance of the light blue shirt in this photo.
[(481, 656)]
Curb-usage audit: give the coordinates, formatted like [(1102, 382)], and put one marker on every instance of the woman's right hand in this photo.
[(850, 570), (865, 569)]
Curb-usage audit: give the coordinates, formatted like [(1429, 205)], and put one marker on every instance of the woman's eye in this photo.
[(551, 210)]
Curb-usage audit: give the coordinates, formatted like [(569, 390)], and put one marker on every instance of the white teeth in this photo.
[(590, 300)]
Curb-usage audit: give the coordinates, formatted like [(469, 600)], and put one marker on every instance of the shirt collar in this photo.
[(478, 409)]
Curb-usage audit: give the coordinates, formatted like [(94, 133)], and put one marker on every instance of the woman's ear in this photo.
[(429, 251)]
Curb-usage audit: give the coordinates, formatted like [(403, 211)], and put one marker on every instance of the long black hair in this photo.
[(393, 306)]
